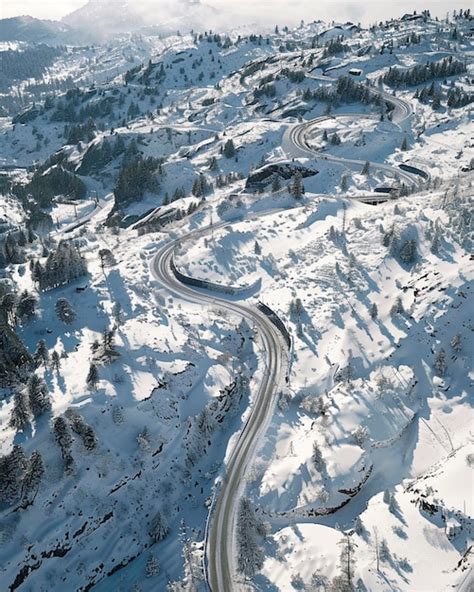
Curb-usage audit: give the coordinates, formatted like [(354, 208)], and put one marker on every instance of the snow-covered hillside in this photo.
[(236, 310)]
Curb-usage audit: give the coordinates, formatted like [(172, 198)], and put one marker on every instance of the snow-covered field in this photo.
[(363, 480)]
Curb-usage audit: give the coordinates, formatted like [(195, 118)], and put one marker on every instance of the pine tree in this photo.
[(92, 379), (250, 555), (229, 149), (456, 342), (117, 313), (64, 311), (276, 184), (408, 251), (344, 582), (55, 361), (41, 355), (152, 567), (82, 429), (373, 311), (296, 187), (12, 471), (257, 249), (359, 526), (20, 417), (366, 169), (33, 475), (317, 457), (159, 529), (397, 308), (38, 395), (26, 306), (63, 437), (440, 362), (384, 551), (404, 145)]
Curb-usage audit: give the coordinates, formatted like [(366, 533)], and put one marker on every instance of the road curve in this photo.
[(296, 138), (220, 555)]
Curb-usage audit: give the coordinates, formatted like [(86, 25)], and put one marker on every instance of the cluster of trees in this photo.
[(76, 106), (30, 62), (29, 402), (20, 476), (14, 357), (346, 90), (334, 46), (201, 187), (104, 350), (250, 555), (81, 428), (224, 180), (11, 248), (265, 90), (99, 154), (137, 175), (295, 76), (57, 180), (80, 132), (424, 72), (406, 249), (457, 97), (62, 435), (62, 266)]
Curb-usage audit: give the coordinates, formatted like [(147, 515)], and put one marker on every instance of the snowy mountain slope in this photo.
[(372, 427)]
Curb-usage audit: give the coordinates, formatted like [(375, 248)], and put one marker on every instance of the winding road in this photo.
[(220, 555), (296, 139)]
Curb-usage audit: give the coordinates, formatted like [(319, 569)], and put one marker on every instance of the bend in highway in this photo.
[(220, 555)]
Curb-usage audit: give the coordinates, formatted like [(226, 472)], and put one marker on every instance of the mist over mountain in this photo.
[(104, 19), (33, 30)]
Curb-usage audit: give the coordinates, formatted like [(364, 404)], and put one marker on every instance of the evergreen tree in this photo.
[(38, 395), (26, 307), (64, 311), (20, 417), (250, 555), (82, 429), (229, 149), (152, 567), (41, 355), (456, 342), (159, 529), (276, 184), (92, 379), (373, 311), (296, 187), (366, 168), (33, 475), (317, 457), (12, 471), (63, 437), (441, 364), (55, 361), (397, 308)]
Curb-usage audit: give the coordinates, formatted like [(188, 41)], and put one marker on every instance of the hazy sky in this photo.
[(280, 11)]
